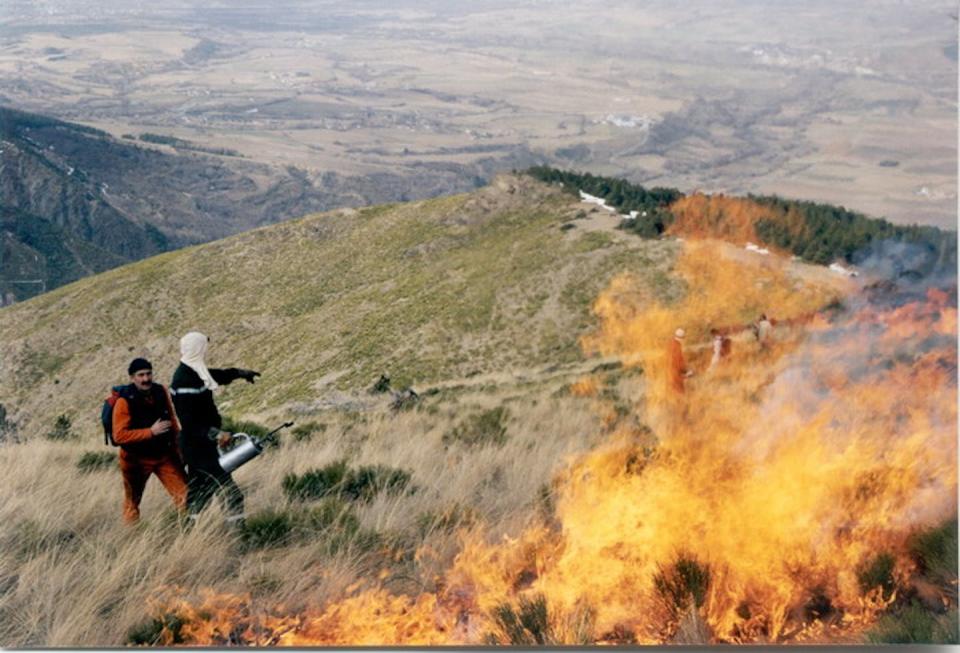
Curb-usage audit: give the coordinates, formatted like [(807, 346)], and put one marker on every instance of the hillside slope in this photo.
[(76, 201), (532, 472), (57, 223), (449, 288)]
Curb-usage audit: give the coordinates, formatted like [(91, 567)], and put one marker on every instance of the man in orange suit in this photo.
[(145, 427)]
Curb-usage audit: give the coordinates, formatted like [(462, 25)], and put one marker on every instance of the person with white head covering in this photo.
[(192, 389)]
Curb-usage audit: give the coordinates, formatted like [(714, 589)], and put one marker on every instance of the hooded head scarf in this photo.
[(193, 349)]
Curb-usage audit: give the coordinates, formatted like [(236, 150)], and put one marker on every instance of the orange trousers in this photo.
[(137, 469)]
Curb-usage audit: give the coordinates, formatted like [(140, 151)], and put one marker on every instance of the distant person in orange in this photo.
[(676, 365), (145, 427)]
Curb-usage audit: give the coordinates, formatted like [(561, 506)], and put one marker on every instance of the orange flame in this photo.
[(779, 473)]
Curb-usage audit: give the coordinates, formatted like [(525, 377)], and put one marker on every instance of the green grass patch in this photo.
[(935, 552), (339, 480), (270, 528), (305, 432), (241, 426), (334, 525), (913, 624), (592, 240), (94, 461), (331, 525)]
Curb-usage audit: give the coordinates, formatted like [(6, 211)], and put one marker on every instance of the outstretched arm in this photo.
[(228, 375)]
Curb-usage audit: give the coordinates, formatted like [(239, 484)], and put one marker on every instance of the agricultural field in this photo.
[(815, 101)]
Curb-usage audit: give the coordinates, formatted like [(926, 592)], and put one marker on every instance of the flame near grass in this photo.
[(778, 478)]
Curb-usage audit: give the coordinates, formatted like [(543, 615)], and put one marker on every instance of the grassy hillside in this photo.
[(543, 489), (477, 300), (425, 292)]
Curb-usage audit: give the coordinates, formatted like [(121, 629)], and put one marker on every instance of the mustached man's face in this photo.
[(143, 379)]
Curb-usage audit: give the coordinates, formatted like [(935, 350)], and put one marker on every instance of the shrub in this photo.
[(238, 426), (366, 482), (913, 624), (337, 479), (92, 461), (62, 429), (8, 430), (935, 552), (305, 432), (877, 573), (316, 483), (331, 525), (382, 385), (267, 529), (481, 429)]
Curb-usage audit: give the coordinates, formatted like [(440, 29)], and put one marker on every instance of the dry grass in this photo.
[(457, 295), (72, 574)]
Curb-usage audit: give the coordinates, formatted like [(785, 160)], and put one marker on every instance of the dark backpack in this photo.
[(106, 412)]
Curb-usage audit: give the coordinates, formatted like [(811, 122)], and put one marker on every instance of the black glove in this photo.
[(248, 375)]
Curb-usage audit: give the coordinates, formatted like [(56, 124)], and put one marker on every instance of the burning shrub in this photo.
[(162, 631), (337, 479), (481, 429), (526, 625), (683, 585), (530, 623), (877, 573), (92, 461), (915, 625)]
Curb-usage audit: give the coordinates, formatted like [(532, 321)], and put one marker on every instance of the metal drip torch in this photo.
[(247, 450)]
